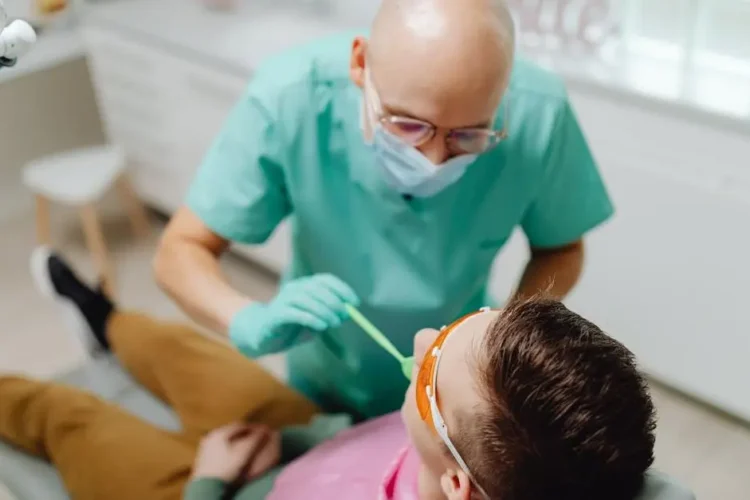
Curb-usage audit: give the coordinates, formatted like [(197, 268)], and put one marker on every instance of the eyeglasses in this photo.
[(416, 133), (459, 140), (427, 397)]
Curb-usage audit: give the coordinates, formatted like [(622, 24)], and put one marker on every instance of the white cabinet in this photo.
[(163, 109), (669, 275), (207, 97), (166, 111), (136, 99)]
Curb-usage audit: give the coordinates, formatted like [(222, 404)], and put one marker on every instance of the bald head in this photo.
[(466, 28), (446, 62), (445, 40)]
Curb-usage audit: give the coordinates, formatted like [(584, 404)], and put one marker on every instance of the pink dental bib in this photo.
[(371, 461)]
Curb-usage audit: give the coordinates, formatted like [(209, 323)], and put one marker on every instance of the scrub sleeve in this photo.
[(239, 191), (572, 198)]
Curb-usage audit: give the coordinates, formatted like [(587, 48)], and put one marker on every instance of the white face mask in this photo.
[(405, 168)]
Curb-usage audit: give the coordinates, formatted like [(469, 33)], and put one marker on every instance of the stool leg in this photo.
[(95, 241), (136, 210), (43, 233)]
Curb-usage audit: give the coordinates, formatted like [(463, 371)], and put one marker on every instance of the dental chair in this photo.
[(28, 478)]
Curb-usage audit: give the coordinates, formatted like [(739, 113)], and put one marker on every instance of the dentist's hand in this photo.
[(316, 303)]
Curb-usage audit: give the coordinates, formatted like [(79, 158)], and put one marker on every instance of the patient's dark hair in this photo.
[(567, 415)]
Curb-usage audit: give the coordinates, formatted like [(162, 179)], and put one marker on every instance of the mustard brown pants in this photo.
[(103, 452)]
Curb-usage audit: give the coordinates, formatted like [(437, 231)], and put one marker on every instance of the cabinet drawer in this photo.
[(163, 109), (132, 88), (222, 90), (143, 147), (111, 49), (211, 97), (129, 78), (164, 190), (134, 115), (137, 88)]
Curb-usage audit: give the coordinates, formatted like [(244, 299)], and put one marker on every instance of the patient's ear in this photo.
[(455, 485)]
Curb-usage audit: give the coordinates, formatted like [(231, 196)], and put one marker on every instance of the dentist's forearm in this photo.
[(192, 277), (187, 269), (553, 271)]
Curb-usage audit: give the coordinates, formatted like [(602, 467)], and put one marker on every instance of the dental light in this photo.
[(15, 39)]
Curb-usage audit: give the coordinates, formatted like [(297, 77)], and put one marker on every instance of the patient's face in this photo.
[(456, 386)]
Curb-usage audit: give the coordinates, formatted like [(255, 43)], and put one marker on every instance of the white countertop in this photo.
[(51, 49), (238, 40)]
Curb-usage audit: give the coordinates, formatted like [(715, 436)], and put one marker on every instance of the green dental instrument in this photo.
[(407, 363)]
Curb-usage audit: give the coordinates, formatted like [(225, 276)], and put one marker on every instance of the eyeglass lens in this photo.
[(460, 141)]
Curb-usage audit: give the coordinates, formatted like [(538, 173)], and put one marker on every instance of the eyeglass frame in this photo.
[(498, 135), (384, 118)]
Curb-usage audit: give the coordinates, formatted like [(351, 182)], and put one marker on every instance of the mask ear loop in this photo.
[(371, 96), (370, 101), (373, 105)]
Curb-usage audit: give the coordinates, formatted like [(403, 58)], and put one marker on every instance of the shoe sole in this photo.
[(72, 317), (39, 258)]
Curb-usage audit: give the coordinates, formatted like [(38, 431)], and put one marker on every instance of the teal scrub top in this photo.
[(293, 147)]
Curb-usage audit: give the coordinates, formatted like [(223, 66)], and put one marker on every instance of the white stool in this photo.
[(81, 178)]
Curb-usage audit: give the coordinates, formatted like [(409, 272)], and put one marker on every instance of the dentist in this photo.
[(405, 160)]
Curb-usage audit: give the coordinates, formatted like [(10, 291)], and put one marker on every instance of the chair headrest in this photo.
[(659, 486)]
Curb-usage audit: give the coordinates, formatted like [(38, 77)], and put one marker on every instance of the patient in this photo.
[(529, 402)]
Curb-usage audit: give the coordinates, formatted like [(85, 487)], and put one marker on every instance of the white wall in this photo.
[(668, 276)]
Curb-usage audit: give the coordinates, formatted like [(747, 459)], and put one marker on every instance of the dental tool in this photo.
[(407, 363)]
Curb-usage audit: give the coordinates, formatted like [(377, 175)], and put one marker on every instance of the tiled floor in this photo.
[(706, 451)]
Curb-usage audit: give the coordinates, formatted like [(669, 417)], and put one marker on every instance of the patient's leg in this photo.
[(206, 381), (100, 451)]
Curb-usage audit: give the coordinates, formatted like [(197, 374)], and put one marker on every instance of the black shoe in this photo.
[(89, 308)]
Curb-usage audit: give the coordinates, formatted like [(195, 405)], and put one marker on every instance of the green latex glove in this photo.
[(315, 303)]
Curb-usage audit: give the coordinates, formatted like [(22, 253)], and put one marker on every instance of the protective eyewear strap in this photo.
[(439, 422), (437, 418)]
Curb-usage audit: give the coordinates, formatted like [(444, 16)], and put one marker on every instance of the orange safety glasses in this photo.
[(427, 397), (427, 375)]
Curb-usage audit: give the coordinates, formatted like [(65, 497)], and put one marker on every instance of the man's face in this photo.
[(446, 97), (456, 387)]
